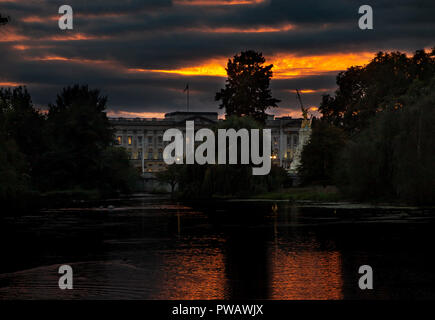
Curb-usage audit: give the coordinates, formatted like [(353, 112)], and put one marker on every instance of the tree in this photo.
[(78, 134), (16, 122), (247, 91), (117, 174), (393, 157), (70, 148), (14, 178), (22, 125), (319, 156), (365, 91), (170, 176), (21, 121)]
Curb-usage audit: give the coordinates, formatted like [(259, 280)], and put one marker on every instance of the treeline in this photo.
[(375, 139), (65, 152)]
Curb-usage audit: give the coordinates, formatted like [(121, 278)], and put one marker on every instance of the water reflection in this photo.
[(150, 248), (192, 274), (305, 275)]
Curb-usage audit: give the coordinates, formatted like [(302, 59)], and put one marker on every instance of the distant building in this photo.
[(143, 137)]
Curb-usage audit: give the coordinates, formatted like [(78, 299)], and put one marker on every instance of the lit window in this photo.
[(129, 140), (119, 139)]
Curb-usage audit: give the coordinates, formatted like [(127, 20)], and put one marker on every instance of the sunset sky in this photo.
[(142, 53)]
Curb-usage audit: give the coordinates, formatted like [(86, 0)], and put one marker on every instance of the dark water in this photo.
[(150, 248)]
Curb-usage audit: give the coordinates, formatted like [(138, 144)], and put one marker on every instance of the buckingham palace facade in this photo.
[(143, 137)]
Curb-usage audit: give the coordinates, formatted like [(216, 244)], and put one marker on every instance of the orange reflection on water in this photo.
[(194, 273), (306, 275)]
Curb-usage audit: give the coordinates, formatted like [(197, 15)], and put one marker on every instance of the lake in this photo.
[(148, 247)]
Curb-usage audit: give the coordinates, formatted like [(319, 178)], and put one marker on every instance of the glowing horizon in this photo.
[(217, 2), (284, 66)]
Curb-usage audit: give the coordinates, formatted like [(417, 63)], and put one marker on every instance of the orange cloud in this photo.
[(217, 2), (291, 66), (52, 58), (37, 19), (42, 19), (127, 114), (11, 36), (20, 47), (10, 84), (73, 36), (286, 66), (207, 69), (75, 60), (263, 29), (309, 91), (23, 47)]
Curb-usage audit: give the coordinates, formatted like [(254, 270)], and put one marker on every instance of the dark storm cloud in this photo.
[(164, 35)]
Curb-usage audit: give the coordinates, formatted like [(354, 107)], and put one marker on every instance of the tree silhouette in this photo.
[(3, 20), (247, 91), (365, 91)]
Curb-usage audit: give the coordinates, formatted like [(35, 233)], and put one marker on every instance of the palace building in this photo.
[(143, 137)]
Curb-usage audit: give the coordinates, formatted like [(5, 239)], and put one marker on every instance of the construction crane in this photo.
[(304, 111), (305, 122)]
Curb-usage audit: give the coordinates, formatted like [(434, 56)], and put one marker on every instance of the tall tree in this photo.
[(20, 139), (247, 91), (21, 122), (365, 91), (393, 157), (319, 156), (78, 134)]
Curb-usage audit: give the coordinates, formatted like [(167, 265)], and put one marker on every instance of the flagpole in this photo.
[(187, 89)]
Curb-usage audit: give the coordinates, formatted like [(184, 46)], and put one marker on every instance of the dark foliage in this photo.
[(394, 157), (365, 91), (247, 91), (319, 156), (71, 148)]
